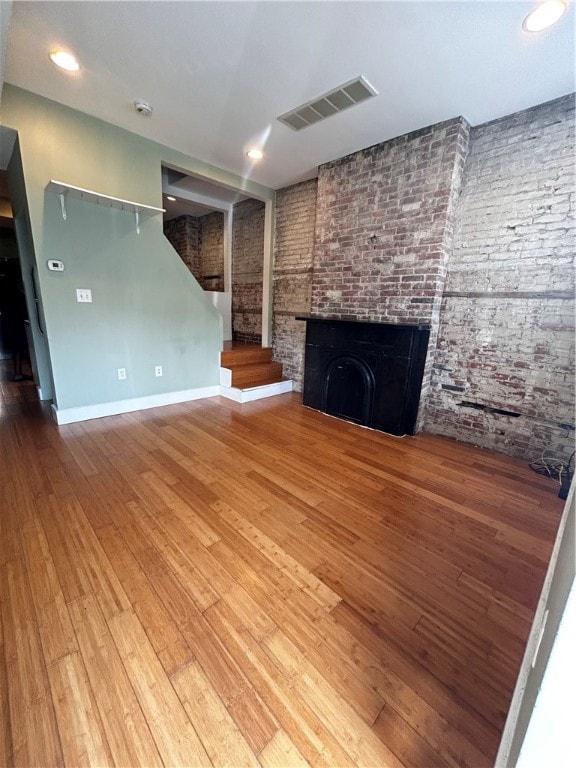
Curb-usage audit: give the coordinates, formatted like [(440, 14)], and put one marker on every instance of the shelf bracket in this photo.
[(64, 190), (62, 197)]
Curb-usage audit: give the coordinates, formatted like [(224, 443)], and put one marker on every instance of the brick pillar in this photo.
[(384, 230), (247, 270), (293, 255)]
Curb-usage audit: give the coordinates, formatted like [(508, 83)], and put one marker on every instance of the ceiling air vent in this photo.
[(330, 103)]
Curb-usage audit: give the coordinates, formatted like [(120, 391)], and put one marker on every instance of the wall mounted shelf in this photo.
[(64, 191)]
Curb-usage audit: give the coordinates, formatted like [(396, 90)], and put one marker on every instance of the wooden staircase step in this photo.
[(245, 354), (249, 366), (256, 374)]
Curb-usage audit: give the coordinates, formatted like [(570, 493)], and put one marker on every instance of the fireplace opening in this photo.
[(367, 373), (349, 389)]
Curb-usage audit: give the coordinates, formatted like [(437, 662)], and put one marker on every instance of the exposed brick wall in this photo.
[(184, 235), (199, 241), (491, 269), (384, 229), (247, 270), (507, 325), (212, 251), (294, 229)]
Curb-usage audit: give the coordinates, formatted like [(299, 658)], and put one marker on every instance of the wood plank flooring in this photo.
[(214, 584)]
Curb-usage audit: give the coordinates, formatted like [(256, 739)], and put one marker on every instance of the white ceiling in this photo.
[(177, 183), (179, 207), (219, 73), (194, 196)]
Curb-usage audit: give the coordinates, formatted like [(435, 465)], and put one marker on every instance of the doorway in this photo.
[(224, 237), (15, 342)]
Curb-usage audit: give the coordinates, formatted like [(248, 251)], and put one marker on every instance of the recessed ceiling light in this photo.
[(544, 15), (255, 154), (64, 60), (172, 199)]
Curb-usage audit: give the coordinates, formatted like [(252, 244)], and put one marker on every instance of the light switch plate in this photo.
[(83, 294), (54, 265)]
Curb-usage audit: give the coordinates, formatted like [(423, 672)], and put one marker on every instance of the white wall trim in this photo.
[(267, 273), (226, 377), (549, 738), (228, 218), (85, 412), (256, 393), (557, 584)]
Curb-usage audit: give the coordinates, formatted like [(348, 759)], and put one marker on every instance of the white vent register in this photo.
[(64, 191), (336, 100)]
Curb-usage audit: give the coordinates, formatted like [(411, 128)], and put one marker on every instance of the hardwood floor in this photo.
[(260, 585)]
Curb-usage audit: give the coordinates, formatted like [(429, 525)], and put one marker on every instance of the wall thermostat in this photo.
[(55, 266)]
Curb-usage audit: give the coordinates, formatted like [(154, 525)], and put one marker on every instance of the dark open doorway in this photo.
[(15, 340)]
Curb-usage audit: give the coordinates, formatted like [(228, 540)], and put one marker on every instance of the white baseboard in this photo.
[(98, 411), (85, 412), (256, 393)]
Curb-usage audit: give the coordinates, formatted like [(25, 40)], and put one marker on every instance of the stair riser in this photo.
[(254, 376), (232, 357), (257, 393), (258, 382)]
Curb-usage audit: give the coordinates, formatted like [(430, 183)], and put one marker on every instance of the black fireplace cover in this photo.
[(368, 373)]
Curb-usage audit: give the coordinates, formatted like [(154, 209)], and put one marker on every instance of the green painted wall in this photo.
[(147, 308)]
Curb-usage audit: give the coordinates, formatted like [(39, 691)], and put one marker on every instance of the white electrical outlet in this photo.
[(121, 373), (83, 295), (158, 370)]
